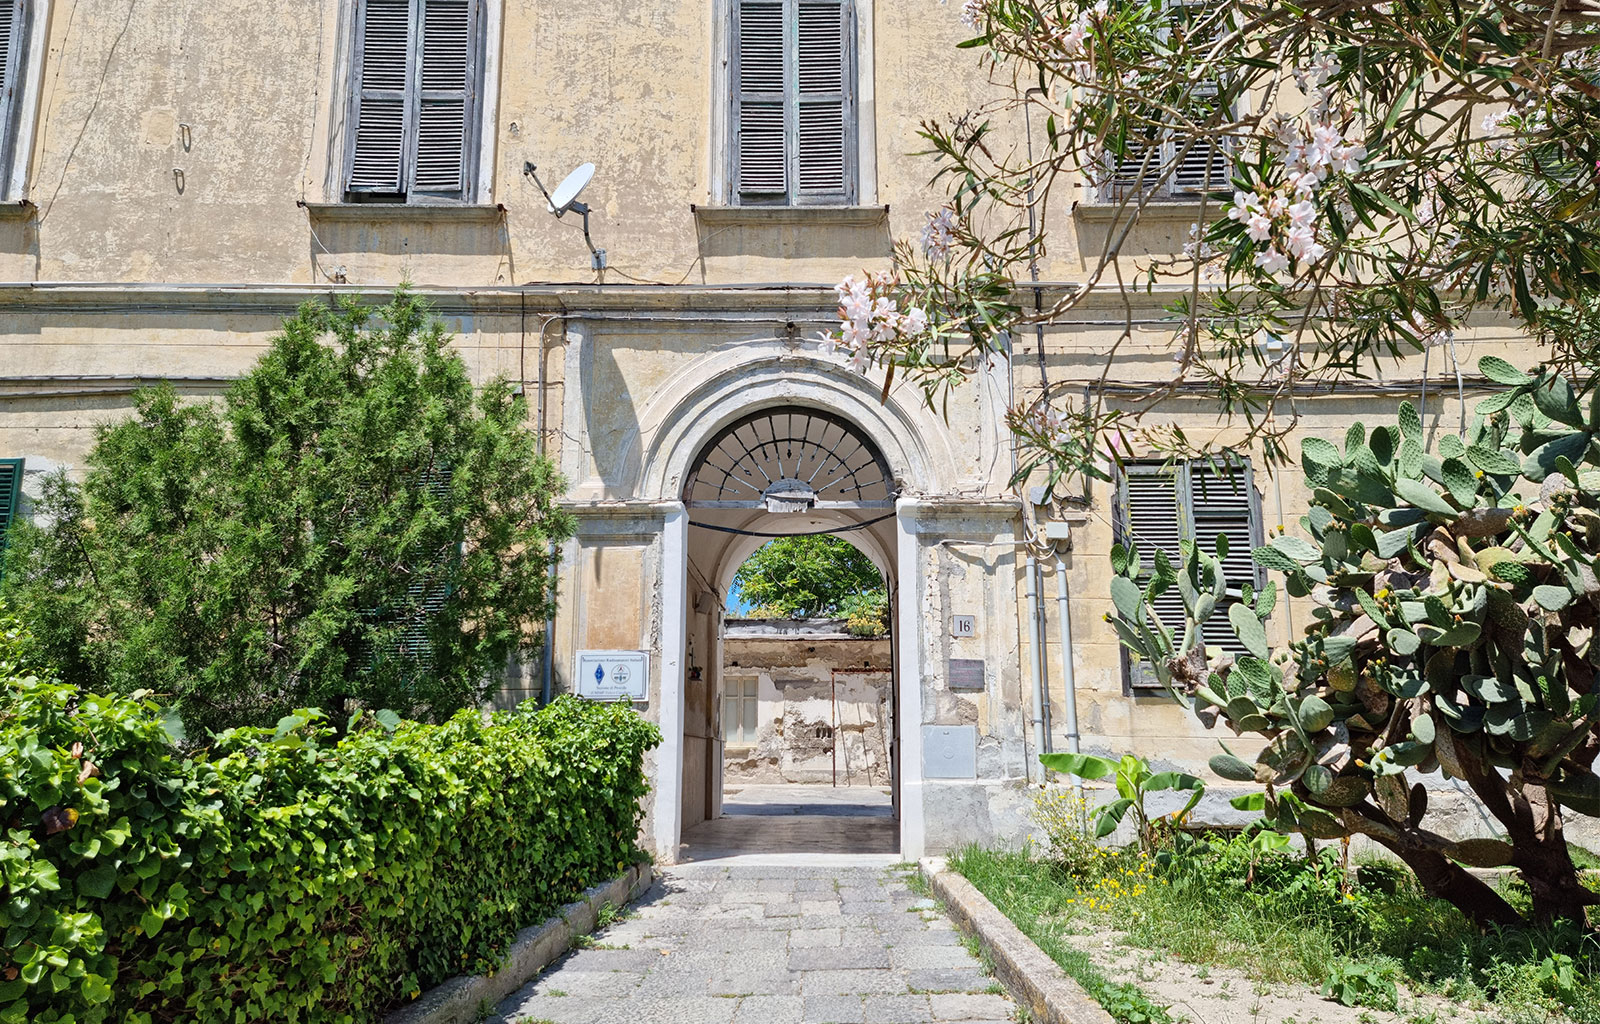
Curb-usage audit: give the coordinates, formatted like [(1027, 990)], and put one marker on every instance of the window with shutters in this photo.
[(793, 119), (10, 499), (14, 23), (415, 101), (1159, 506), (740, 713), (1198, 166)]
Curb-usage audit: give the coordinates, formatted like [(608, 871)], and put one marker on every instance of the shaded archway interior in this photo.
[(783, 470)]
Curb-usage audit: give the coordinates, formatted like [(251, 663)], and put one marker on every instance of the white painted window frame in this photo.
[(720, 115), (337, 131), (19, 119)]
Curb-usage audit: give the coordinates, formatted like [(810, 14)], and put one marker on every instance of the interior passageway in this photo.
[(796, 819)]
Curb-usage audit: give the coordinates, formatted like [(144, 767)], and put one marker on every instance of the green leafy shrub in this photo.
[(1134, 781), (1456, 598), (287, 874), (866, 613), (353, 523)]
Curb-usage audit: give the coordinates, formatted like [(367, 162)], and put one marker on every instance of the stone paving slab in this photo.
[(710, 944)]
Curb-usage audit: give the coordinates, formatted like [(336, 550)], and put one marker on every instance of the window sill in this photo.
[(458, 213), (17, 209), (1159, 210), (762, 216)]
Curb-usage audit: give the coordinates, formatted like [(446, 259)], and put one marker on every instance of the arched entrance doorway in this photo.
[(777, 471)]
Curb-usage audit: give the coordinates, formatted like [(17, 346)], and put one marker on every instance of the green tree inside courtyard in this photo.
[(351, 523), (818, 575)]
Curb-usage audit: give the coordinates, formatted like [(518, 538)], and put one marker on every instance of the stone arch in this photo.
[(690, 408)]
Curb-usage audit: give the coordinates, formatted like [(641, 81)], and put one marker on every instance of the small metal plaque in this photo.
[(963, 625), (949, 751), (966, 674), (613, 675)]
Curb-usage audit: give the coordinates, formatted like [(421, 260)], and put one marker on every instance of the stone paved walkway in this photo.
[(714, 944)]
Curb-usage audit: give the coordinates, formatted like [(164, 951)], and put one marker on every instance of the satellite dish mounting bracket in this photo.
[(568, 191)]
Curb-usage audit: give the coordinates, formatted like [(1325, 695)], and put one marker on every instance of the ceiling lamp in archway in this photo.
[(790, 460)]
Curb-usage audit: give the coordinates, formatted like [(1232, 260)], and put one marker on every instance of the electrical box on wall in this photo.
[(949, 751)]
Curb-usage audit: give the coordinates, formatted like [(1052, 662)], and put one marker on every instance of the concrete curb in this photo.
[(1032, 978), (460, 1000)]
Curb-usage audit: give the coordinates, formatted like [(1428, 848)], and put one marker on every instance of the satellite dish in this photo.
[(566, 193)]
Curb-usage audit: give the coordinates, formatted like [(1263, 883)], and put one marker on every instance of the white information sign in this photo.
[(613, 675), (963, 625)]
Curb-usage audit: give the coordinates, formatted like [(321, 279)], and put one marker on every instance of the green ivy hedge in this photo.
[(288, 874)]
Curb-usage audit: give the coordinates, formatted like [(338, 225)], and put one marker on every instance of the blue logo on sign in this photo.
[(599, 673)]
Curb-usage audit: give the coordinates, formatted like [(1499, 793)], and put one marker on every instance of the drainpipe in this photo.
[(1069, 687), (1036, 666), (548, 654)]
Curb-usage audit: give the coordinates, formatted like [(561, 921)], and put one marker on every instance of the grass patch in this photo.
[(1022, 890), (1283, 918)]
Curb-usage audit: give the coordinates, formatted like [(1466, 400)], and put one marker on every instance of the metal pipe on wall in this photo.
[(1069, 686), (1036, 658)]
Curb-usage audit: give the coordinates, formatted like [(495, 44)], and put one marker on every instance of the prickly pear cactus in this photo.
[(1455, 595)]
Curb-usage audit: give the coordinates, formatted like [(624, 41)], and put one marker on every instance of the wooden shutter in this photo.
[(1203, 166), (823, 99), (761, 164), (13, 41), (793, 102), (383, 64), (446, 90), (1152, 521), (415, 99), (1222, 500), (10, 499), (1194, 502)]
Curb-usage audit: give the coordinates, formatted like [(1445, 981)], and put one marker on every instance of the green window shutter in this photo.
[(1160, 507), (414, 99), (1202, 167), (1151, 520), (1222, 500), (793, 109), (10, 499)]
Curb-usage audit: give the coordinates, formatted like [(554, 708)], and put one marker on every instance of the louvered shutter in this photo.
[(761, 162), (416, 99), (1203, 166), (10, 498), (1196, 502), (13, 39), (1134, 170), (408, 625), (793, 109), (445, 96), (1222, 500), (822, 153), (383, 64), (1152, 521)]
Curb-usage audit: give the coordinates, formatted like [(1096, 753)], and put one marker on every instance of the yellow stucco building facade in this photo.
[(179, 176)]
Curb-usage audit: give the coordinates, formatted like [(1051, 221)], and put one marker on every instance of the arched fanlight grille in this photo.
[(790, 460)]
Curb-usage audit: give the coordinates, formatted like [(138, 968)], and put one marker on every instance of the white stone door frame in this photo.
[(668, 807), (908, 683), (674, 645)]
